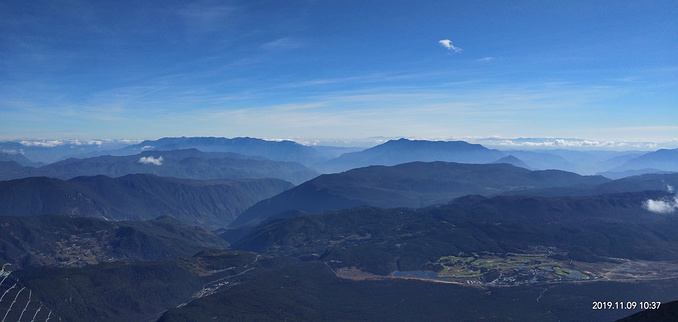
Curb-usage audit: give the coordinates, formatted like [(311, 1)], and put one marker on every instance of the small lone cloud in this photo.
[(662, 206), (448, 44), (151, 160), (485, 59)]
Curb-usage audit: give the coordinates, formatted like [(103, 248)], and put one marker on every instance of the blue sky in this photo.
[(601, 71)]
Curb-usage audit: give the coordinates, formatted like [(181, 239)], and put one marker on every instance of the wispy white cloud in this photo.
[(423, 104), (281, 44), (448, 44), (485, 59), (201, 18), (442, 110), (562, 143), (380, 78), (151, 160)]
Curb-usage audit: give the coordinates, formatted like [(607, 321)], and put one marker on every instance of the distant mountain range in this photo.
[(273, 150), (206, 203), (78, 241), (402, 151), (512, 160), (48, 151), (614, 164), (653, 162), (19, 159), (540, 160), (583, 162), (189, 164), (415, 184)]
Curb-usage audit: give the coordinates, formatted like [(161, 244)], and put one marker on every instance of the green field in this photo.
[(475, 265)]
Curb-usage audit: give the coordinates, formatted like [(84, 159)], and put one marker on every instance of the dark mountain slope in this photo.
[(415, 184), (312, 292), (78, 241), (661, 182), (384, 240), (206, 203), (631, 173), (13, 170), (665, 312), (189, 164), (666, 182), (139, 291), (402, 151)]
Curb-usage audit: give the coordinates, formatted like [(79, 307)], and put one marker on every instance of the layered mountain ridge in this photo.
[(206, 203), (415, 184), (188, 164)]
